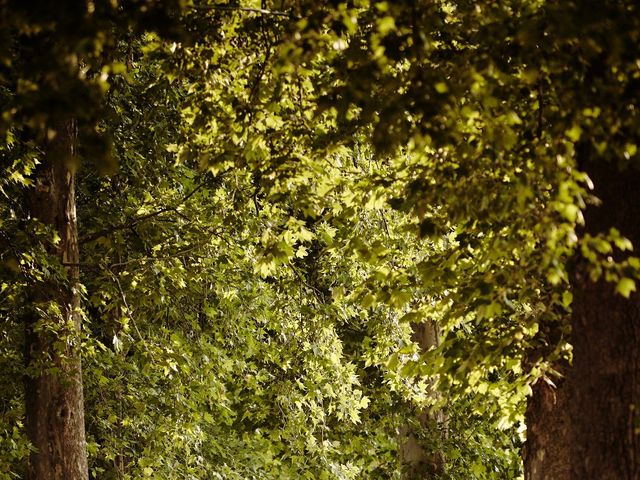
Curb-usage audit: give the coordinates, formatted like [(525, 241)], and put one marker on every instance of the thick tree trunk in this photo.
[(605, 378), (417, 461), (54, 397), (546, 454), (588, 428)]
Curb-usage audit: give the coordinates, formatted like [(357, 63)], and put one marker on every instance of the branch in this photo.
[(126, 305), (123, 226), (126, 225), (385, 224), (151, 257), (262, 11)]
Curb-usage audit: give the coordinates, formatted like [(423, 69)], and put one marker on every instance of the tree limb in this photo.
[(126, 225)]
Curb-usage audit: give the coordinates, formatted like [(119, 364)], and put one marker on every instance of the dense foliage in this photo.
[(274, 197)]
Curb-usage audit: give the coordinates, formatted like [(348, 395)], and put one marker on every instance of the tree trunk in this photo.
[(605, 377), (547, 450), (418, 461), (591, 430), (54, 397)]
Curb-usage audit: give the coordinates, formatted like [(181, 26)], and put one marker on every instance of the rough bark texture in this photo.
[(546, 453), (605, 386), (588, 427), (54, 400), (417, 461)]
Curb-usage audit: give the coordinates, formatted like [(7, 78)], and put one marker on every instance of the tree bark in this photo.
[(589, 427), (605, 378), (547, 450), (417, 461), (54, 396)]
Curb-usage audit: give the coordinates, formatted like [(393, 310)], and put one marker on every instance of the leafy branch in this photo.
[(130, 224)]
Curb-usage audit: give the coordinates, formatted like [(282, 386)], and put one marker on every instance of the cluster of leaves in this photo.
[(299, 184), (220, 344)]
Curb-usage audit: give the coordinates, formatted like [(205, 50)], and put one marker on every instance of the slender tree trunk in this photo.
[(589, 427), (419, 462), (54, 397)]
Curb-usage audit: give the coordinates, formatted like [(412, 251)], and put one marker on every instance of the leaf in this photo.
[(574, 133), (567, 298), (625, 287), (386, 24), (441, 87)]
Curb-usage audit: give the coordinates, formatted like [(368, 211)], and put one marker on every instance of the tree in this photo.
[(479, 128), (418, 460), (605, 322), (170, 288), (49, 98), (508, 112), (54, 406)]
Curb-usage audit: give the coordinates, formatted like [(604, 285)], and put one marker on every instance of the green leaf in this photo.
[(386, 24), (625, 287)]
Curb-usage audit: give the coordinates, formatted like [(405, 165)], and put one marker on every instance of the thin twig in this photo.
[(124, 301), (385, 224)]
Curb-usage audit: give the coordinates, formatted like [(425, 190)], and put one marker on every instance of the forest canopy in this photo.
[(319, 239)]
